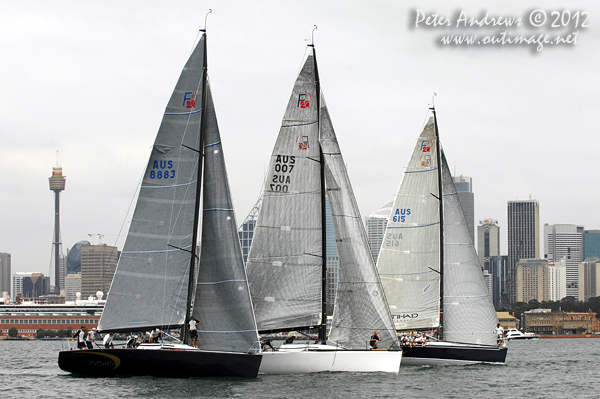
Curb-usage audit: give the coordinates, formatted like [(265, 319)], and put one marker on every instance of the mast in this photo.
[(194, 256), (323, 326), (441, 219)]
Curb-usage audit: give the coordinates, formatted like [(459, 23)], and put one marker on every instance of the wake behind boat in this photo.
[(287, 263), (429, 268), (159, 274)]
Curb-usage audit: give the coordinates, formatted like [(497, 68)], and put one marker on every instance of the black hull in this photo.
[(159, 363), (444, 355)]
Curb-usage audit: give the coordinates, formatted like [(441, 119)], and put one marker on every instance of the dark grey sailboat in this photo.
[(157, 283)]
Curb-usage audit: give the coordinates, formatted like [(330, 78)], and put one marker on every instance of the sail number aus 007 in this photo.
[(162, 170), (284, 164)]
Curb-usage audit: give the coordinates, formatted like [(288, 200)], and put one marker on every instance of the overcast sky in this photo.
[(92, 79)]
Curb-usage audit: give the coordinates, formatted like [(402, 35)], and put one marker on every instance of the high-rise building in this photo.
[(565, 241), (532, 280), (589, 279), (499, 271), (333, 261), (72, 286), (246, 230), (376, 224), (5, 273), (35, 285), (591, 244), (57, 184), (464, 189), (557, 280), (488, 242), (98, 264), (523, 238)]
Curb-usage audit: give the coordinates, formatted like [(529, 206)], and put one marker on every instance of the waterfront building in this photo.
[(546, 322), (523, 238), (565, 240), (591, 244), (499, 271), (532, 280), (376, 224), (488, 242), (557, 280), (98, 264), (507, 320), (5, 273), (464, 189), (589, 279)]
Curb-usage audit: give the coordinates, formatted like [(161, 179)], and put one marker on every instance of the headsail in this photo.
[(284, 263), (469, 314), (222, 300), (360, 306), (408, 261), (149, 288)]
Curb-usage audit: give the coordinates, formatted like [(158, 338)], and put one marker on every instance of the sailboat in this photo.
[(159, 281), (429, 268), (287, 262)]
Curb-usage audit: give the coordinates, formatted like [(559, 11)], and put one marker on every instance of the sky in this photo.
[(92, 79)]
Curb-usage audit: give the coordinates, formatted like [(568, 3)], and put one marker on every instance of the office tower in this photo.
[(98, 264), (523, 238), (488, 242), (464, 189), (557, 280), (591, 244), (72, 286), (376, 224), (246, 230), (333, 261), (565, 240), (57, 184), (499, 271), (532, 280), (589, 279), (35, 285), (5, 272)]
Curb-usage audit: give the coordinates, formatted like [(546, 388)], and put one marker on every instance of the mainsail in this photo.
[(408, 261), (284, 263)]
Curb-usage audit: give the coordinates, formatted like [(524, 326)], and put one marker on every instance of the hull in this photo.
[(159, 362), (302, 360), (452, 354)]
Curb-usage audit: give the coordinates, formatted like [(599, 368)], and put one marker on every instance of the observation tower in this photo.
[(57, 184)]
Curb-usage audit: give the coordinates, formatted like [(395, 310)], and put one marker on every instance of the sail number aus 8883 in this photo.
[(284, 164), (162, 170)]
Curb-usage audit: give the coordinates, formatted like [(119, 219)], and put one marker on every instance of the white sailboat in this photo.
[(159, 273), (287, 261), (429, 268)]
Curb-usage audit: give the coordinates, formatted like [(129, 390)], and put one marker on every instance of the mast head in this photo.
[(203, 30)]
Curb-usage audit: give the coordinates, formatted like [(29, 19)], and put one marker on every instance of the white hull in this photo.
[(298, 359)]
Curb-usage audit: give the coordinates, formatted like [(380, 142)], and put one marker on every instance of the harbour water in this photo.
[(544, 368)]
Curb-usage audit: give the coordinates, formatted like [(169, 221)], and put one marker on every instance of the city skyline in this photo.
[(99, 85)]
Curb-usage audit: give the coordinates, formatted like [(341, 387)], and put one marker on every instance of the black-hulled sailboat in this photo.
[(287, 263), (159, 281), (429, 268)]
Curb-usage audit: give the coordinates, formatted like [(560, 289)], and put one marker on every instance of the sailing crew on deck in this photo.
[(155, 335), (90, 339), (108, 341), (81, 336), (267, 342), (193, 331), (499, 331), (145, 337), (374, 340)]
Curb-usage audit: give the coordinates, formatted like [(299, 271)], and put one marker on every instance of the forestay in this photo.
[(469, 314), (222, 300), (409, 259), (360, 306), (149, 288), (284, 263)]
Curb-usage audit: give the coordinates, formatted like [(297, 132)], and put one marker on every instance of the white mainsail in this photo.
[(409, 258)]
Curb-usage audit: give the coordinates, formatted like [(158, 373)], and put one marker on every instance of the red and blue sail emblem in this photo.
[(189, 99), (302, 142), (304, 100), (426, 146)]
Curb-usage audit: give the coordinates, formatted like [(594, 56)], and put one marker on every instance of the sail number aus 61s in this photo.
[(281, 180), (162, 170)]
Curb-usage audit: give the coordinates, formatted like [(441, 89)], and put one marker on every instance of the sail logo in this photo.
[(405, 316), (426, 160), (189, 99), (302, 142), (304, 100), (400, 215), (425, 146)]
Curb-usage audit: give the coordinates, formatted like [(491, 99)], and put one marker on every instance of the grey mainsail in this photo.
[(222, 300), (149, 288), (360, 305), (408, 261), (284, 263)]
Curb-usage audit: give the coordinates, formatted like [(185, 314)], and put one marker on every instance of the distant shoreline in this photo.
[(571, 336)]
